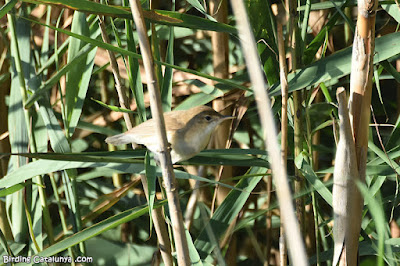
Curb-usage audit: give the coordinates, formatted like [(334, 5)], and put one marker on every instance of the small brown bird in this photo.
[(188, 132)]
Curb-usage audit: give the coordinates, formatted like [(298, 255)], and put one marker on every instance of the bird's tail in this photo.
[(120, 139)]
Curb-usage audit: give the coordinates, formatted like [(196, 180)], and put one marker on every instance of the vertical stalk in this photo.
[(121, 91), (157, 49), (298, 109), (348, 34), (220, 48), (165, 156), (298, 148), (294, 239), (295, 60), (268, 222), (156, 214), (310, 227), (360, 101), (281, 20), (119, 85), (361, 78), (116, 177)]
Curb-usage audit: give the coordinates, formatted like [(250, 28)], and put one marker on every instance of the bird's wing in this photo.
[(175, 120), (145, 133)]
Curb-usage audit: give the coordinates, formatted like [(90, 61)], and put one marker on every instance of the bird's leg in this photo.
[(169, 147), (159, 152)]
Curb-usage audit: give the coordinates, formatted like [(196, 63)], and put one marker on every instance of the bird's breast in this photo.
[(186, 145)]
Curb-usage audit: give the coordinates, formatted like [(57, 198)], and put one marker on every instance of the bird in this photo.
[(188, 132)]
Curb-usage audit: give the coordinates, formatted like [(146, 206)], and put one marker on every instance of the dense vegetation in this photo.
[(68, 193)]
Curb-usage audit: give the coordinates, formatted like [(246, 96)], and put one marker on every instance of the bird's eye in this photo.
[(208, 118)]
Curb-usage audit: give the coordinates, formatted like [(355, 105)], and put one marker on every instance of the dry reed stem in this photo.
[(295, 58), (220, 49), (119, 85), (284, 122), (294, 240), (360, 101), (280, 14), (157, 216), (165, 156)]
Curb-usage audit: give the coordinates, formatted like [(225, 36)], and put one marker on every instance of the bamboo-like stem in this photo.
[(121, 91), (309, 227), (220, 49), (157, 216), (281, 19), (191, 205), (284, 90), (348, 34), (313, 229), (312, 215), (298, 110), (284, 123), (268, 221), (165, 156), (194, 197), (160, 227), (219, 40), (116, 177), (298, 148), (119, 85), (361, 78), (360, 101), (293, 236)]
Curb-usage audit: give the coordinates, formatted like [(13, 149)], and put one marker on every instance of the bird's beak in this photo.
[(227, 118)]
